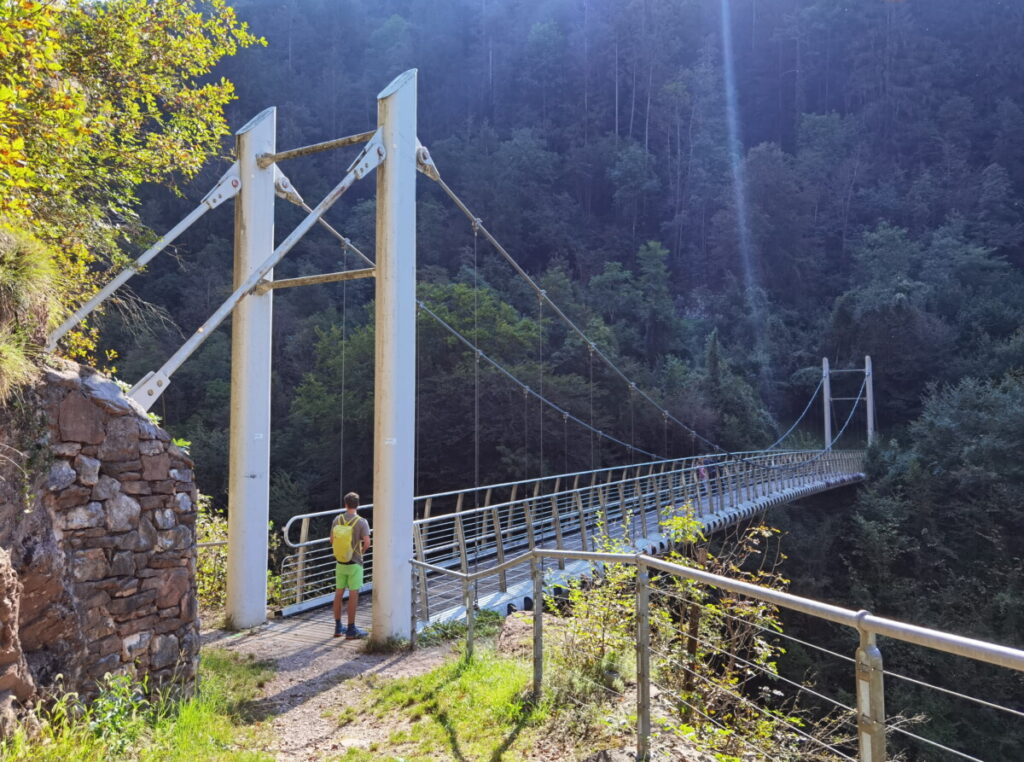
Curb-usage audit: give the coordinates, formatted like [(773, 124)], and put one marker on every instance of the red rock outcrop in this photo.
[(97, 541)]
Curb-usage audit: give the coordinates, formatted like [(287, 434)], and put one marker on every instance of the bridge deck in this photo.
[(284, 637), (445, 594), (479, 528)]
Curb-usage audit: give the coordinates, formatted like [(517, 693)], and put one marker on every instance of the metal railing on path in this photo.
[(478, 527), (654, 666)]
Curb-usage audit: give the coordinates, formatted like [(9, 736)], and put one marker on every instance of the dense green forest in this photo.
[(719, 211), (879, 213)]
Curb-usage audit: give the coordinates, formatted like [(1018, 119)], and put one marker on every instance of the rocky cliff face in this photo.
[(97, 541)]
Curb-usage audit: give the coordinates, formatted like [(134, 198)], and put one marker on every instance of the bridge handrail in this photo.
[(368, 507), (630, 508), (862, 621), (470, 512)]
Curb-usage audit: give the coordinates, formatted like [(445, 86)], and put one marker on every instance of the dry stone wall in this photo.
[(97, 541)]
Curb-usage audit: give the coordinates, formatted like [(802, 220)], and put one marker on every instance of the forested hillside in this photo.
[(719, 211), (878, 211)]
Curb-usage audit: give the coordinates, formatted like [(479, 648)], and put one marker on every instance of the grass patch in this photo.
[(122, 723), (392, 645), (477, 710), (488, 623)]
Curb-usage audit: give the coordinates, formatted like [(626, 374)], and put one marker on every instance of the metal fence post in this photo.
[(300, 573), (583, 519), (531, 537), (870, 699), (413, 617), (556, 519), (499, 544), (419, 549), (460, 538), (643, 663), (470, 617), (537, 572)]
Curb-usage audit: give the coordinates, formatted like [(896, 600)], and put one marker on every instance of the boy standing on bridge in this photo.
[(350, 539)]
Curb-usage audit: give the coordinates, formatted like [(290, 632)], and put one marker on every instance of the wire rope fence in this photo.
[(704, 649)]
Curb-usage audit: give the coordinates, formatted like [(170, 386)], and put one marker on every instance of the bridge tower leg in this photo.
[(249, 443), (869, 387), (395, 361), (826, 396)]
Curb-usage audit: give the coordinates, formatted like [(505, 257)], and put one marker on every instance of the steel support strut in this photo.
[(225, 188), (154, 384), (395, 360), (826, 397), (870, 697), (869, 385), (249, 444)]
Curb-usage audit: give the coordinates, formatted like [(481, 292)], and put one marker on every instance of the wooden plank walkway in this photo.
[(307, 632)]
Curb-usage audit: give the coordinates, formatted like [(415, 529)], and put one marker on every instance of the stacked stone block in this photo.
[(103, 543)]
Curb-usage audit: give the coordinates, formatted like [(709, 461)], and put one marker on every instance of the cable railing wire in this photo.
[(765, 670), (747, 702), (957, 694), (676, 699), (934, 744), (776, 633)]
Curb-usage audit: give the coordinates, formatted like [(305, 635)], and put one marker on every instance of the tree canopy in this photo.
[(97, 98)]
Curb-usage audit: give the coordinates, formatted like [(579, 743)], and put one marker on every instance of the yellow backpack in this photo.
[(341, 539)]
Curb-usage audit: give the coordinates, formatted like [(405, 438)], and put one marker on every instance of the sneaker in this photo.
[(354, 633), (338, 629)]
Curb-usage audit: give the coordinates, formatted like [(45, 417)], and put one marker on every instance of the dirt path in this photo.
[(316, 678), (319, 678)]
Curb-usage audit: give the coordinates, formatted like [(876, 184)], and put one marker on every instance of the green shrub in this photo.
[(126, 721), (487, 625), (29, 304), (593, 654), (212, 560)]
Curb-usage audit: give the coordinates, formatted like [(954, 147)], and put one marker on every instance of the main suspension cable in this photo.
[(814, 396), (526, 389), (347, 244), (478, 224)]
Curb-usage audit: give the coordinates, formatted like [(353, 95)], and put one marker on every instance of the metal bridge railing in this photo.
[(668, 671), (479, 526)]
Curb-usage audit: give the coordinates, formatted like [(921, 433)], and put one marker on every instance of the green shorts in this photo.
[(348, 576)]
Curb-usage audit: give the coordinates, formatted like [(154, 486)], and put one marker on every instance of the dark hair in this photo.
[(351, 500)]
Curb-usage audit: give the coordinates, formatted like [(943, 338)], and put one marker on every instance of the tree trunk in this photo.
[(647, 116), (586, 74), (616, 91), (632, 102)]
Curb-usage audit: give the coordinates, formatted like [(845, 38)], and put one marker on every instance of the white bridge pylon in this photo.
[(393, 150), (255, 178)]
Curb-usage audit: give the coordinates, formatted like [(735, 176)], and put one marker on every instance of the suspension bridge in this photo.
[(442, 556)]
